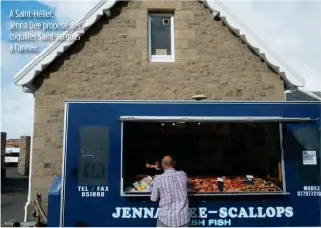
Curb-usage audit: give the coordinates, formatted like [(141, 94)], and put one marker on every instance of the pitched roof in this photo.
[(29, 72)]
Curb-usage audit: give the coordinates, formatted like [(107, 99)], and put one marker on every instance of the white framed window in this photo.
[(161, 40)]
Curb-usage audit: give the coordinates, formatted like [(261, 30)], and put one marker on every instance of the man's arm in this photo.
[(186, 178), (184, 175), (156, 166), (155, 193)]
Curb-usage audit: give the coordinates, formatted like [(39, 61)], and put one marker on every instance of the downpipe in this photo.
[(30, 163)]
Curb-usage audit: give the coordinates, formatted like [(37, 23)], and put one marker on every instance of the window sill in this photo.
[(162, 59)]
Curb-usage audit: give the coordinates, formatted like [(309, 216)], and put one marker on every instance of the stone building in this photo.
[(155, 50), (20, 149), (13, 143)]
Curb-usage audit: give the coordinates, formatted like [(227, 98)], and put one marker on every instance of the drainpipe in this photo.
[(30, 161)]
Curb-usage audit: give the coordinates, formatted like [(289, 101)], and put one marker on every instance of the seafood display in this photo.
[(215, 185), (232, 184)]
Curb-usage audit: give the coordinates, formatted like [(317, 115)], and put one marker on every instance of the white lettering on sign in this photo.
[(102, 188), (310, 191), (202, 212), (193, 212), (224, 213), (258, 212), (211, 222), (311, 188), (96, 191), (133, 212), (92, 194), (197, 222), (219, 222)]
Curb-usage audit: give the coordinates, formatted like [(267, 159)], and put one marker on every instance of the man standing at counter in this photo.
[(170, 189)]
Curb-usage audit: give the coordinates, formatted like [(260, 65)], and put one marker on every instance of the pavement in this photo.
[(14, 194)]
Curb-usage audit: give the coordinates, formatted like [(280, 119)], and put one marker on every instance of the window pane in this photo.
[(160, 35), (94, 156)]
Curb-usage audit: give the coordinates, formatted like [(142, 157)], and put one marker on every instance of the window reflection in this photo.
[(160, 35)]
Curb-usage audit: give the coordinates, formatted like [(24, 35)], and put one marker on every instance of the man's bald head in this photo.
[(167, 162)]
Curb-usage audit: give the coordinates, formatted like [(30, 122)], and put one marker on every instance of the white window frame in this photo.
[(161, 58)]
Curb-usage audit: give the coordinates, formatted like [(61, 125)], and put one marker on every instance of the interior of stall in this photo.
[(246, 157)]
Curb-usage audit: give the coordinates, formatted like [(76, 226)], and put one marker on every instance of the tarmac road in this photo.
[(14, 194)]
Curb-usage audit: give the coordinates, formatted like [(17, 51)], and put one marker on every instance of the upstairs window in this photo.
[(161, 37)]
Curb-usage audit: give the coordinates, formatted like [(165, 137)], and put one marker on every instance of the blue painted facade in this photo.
[(54, 202), (292, 208)]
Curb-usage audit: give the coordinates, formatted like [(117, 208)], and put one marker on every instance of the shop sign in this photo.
[(203, 216)]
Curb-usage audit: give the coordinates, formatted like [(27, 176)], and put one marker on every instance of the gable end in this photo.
[(27, 74)]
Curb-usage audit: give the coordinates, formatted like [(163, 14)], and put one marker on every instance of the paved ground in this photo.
[(14, 193)]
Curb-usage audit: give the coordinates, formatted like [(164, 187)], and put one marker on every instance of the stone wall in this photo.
[(24, 155), (110, 62)]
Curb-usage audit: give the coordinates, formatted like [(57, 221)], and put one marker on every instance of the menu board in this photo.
[(93, 156)]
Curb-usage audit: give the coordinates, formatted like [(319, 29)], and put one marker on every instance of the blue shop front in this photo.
[(250, 164)]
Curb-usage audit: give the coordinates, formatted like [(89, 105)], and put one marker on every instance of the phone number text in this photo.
[(308, 193)]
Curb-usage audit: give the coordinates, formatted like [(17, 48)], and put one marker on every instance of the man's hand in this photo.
[(156, 166)]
